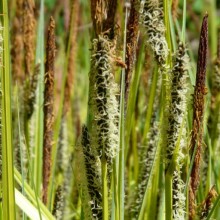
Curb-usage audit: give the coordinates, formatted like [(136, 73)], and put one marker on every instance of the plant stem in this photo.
[(168, 196), (104, 188), (122, 131), (38, 135), (8, 194)]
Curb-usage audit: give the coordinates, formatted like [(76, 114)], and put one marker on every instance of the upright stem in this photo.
[(8, 195), (122, 130)]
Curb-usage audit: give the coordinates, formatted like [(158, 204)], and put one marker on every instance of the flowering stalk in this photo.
[(151, 16), (102, 101), (178, 185), (58, 204), (29, 25), (103, 16), (64, 168), (103, 110), (17, 43), (174, 139), (198, 112), (30, 92), (48, 108), (177, 103), (90, 178)]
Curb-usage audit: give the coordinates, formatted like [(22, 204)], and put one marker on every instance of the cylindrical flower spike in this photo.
[(102, 101), (29, 35), (58, 203), (90, 178), (177, 103), (178, 186), (151, 16), (198, 113), (207, 204), (48, 108)]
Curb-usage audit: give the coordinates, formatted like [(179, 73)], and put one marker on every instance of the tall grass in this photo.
[(116, 115)]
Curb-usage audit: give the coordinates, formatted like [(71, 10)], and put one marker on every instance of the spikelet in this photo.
[(58, 204), (82, 183), (198, 114), (67, 186), (179, 198), (151, 16), (146, 163), (174, 130), (17, 43), (48, 107), (64, 168), (89, 175), (177, 102), (62, 151), (30, 92), (29, 34), (102, 100), (64, 165), (20, 153), (103, 16), (207, 204), (205, 166)]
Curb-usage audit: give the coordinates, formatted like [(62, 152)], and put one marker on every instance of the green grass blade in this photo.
[(38, 135), (122, 131), (20, 144), (25, 205), (184, 22), (7, 148), (151, 101), (104, 189), (133, 95), (31, 194)]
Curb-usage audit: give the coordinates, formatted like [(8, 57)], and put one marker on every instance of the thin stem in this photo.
[(8, 193), (122, 130)]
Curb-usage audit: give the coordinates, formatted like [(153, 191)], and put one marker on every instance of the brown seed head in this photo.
[(48, 107), (29, 35), (198, 113), (103, 16), (17, 43), (207, 203)]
